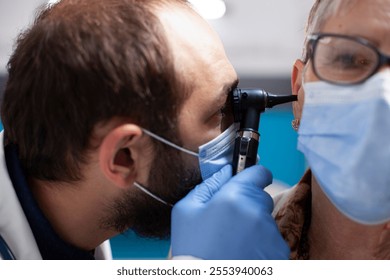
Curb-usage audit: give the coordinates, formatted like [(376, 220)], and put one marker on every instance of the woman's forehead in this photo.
[(367, 19)]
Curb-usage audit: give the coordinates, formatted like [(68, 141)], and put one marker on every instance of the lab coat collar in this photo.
[(14, 227), (50, 244)]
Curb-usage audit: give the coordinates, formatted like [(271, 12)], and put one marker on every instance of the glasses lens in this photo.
[(343, 60)]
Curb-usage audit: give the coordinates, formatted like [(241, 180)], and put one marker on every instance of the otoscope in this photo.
[(248, 104)]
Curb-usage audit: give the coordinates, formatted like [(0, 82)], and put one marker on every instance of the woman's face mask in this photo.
[(344, 133)]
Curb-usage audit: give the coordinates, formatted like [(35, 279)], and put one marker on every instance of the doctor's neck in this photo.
[(72, 211)]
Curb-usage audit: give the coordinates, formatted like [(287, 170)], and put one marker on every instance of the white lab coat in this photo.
[(14, 227)]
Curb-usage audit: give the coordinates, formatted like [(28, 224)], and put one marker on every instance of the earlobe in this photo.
[(117, 154)]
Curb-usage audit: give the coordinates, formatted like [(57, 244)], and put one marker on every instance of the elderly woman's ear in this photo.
[(297, 89)]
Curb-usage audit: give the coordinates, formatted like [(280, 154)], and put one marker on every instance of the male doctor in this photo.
[(113, 112)]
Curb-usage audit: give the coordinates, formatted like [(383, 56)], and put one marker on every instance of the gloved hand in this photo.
[(228, 217)]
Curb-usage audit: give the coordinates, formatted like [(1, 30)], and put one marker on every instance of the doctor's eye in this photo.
[(223, 110), (226, 112)]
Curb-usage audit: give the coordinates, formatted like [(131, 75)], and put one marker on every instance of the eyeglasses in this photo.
[(344, 60)]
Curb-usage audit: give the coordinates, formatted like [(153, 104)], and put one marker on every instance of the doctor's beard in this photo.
[(170, 180)]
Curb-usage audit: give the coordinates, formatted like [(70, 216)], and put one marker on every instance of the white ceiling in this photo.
[(262, 37)]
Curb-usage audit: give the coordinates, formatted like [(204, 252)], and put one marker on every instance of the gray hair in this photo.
[(320, 12)]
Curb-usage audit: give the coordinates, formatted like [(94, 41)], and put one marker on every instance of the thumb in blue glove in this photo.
[(228, 217)]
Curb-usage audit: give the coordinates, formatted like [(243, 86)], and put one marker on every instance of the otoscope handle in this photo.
[(245, 149)]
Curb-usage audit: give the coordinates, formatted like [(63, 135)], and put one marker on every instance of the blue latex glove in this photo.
[(228, 217)]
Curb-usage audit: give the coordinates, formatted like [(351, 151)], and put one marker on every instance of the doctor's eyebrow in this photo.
[(222, 98), (226, 90), (230, 86)]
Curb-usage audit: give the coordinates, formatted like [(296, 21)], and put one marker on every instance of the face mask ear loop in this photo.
[(137, 185), (151, 134)]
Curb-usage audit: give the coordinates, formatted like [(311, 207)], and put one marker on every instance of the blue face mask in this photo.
[(212, 156), (344, 134)]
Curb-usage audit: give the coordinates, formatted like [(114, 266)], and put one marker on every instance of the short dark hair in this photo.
[(82, 63)]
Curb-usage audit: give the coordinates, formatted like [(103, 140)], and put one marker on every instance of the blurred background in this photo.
[(262, 38)]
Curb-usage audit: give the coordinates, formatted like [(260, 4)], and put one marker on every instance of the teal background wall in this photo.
[(131, 246), (277, 148)]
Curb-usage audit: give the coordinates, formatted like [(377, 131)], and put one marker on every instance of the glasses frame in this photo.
[(312, 46)]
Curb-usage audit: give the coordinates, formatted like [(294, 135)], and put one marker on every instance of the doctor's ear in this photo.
[(119, 153), (297, 87)]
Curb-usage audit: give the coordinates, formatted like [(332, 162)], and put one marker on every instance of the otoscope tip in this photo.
[(273, 100)]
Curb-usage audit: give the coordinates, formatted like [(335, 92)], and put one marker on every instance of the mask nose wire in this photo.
[(137, 185), (151, 134)]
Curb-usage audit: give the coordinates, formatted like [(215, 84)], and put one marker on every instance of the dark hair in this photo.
[(80, 64)]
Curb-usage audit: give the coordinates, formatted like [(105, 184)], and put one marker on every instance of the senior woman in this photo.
[(341, 207)]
